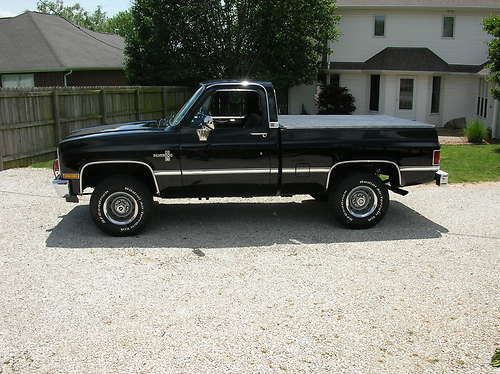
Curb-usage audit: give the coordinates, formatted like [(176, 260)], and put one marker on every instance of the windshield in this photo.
[(182, 112)]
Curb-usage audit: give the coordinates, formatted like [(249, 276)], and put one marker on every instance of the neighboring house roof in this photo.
[(481, 4), (406, 59), (40, 42)]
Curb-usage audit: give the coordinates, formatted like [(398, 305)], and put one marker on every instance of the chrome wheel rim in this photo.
[(361, 201), (120, 208)]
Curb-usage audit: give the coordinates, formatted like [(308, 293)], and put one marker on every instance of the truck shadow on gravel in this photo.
[(252, 224)]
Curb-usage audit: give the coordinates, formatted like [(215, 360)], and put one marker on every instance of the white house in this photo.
[(417, 59)]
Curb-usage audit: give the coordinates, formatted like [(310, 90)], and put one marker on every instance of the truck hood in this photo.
[(118, 127)]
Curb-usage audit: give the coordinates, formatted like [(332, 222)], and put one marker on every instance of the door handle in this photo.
[(263, 134)]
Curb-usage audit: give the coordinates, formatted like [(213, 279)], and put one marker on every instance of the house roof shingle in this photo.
[(40, 42), (406, 59)]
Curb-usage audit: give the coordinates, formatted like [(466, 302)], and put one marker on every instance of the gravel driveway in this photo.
[(267, 285)]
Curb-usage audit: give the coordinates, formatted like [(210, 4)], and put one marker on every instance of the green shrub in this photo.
[(335, 100), (495, 360), (475, 131)]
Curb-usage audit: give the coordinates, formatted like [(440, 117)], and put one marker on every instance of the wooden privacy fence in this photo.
[(32, 122)]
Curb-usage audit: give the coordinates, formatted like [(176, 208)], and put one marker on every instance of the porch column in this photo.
[(494, 121)]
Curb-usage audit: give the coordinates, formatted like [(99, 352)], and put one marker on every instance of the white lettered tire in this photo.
[(121, 206), (359, 200)]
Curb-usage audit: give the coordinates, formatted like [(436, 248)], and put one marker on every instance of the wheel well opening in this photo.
[(94, 174), (387, 172)]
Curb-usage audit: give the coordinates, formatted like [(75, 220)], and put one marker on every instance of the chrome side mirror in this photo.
[(206, 128), (208, 121)]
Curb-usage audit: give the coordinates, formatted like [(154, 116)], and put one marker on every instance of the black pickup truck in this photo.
[(228, 140)]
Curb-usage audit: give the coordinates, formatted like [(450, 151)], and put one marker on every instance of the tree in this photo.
[(169, 43), (120, 23), (74, 13), (492, 27), (187, 41), (96, 20), (335, 100), (292, 39)]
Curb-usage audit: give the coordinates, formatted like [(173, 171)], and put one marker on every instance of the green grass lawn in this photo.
[(43, 164), (464, 163), (471, 163)]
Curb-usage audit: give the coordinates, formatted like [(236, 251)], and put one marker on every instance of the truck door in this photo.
[(233, 155)]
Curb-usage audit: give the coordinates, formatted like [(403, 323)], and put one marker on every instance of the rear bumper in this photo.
[(419, 175), (412, 175)]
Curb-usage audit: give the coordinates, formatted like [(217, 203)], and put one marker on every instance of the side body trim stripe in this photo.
[(305, 170), (419, 168), (240, 171), (286, 170), (225, 171), (168, 172)]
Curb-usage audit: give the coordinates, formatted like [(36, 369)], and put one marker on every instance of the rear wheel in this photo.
[(359, 200), (121, 206)]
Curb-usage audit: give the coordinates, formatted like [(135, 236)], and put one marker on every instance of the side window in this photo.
[(18, 81), (233, 109), (448, 27), (379, 26)]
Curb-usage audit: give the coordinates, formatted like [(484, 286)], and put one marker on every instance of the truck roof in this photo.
[(266, 84)]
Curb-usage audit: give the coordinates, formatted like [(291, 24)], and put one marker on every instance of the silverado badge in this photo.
[(168, 155)]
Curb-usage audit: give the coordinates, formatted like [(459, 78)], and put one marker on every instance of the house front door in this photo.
[(406, 98)]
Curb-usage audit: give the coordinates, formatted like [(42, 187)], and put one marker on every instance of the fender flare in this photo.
[(82, 170), (392, 163)]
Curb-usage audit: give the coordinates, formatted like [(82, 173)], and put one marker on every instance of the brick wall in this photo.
[(97, 78), (52, 79)]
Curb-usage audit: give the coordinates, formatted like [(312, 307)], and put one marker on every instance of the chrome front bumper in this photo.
[(61, 187)]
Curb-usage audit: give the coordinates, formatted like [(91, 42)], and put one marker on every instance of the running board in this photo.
[(399, 191)]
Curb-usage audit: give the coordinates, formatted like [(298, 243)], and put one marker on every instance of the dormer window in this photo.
[(448, 27), (379, 27)]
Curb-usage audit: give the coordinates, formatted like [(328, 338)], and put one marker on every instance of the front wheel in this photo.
[(121, 206), (359, 200)]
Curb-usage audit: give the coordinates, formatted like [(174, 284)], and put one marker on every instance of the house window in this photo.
[(18, 81), (379, 27), (436, 94), (448, 27), (482, 99), (374, 93), (406, 94)]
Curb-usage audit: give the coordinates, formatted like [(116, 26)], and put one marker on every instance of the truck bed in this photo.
[(348, 121), (316, 141)]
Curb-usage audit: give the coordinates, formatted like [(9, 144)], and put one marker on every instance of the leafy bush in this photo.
[(335, 100), (495, 360), (475, 131)]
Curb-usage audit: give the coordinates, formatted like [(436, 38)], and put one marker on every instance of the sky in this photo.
[(10, 8)]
